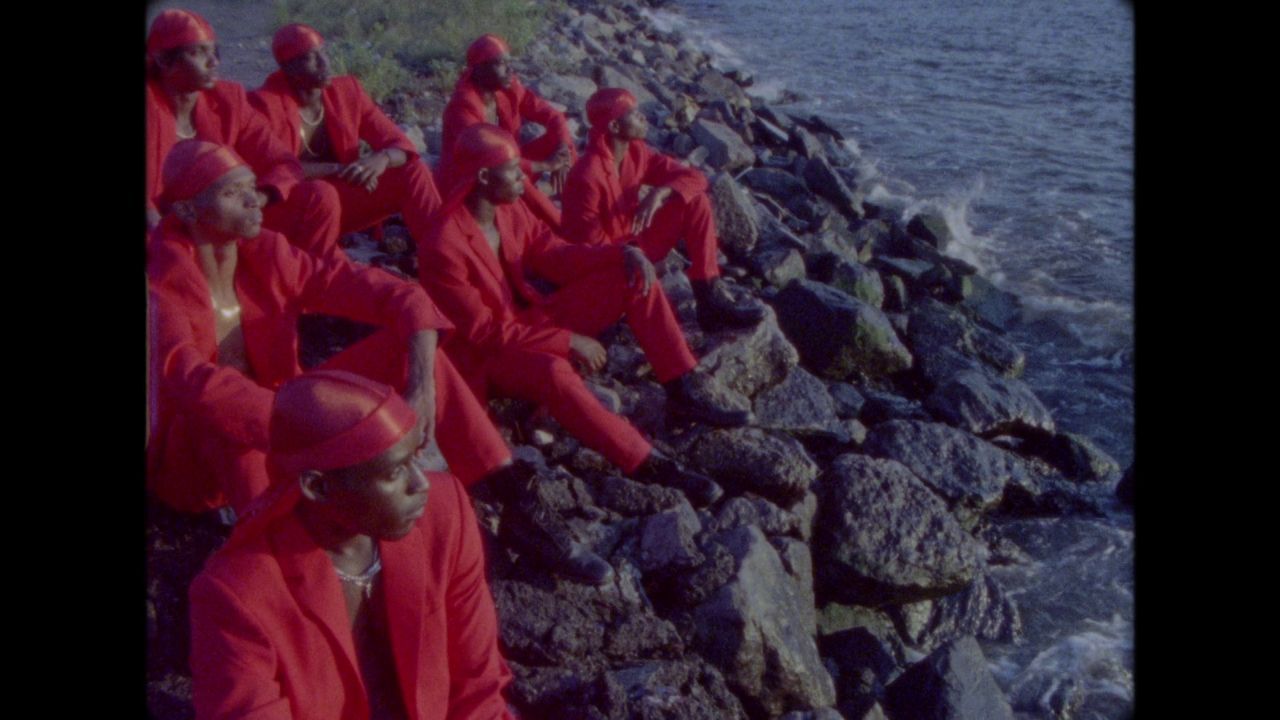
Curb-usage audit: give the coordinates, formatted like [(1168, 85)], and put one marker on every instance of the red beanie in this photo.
[(607, 105), (293, 40)]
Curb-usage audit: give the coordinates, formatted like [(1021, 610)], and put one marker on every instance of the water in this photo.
[(1015, 119)]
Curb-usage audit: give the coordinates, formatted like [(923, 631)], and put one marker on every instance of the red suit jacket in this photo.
[(515, 106), (600, 202), (222, 115), (270, 635), (474, 289), (350, 116), (200, 402)]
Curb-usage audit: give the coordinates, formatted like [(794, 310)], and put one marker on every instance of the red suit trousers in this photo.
[(691, 220), (310, 218), (408, 190)]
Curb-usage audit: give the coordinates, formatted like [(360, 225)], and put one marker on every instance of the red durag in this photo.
[(479, 146), (175, 28), (293, 40), (486, 48), (193, 165), (323, 420), (605, 106)]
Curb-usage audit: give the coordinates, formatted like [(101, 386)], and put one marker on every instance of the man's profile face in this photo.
[(506, 182), (231, 207), (310, 70), (493, 75), (192, 67), (633, 125), (384, 497)]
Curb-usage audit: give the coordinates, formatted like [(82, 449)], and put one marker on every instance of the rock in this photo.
[(778, 264), (1127, 487), (572, 91), (982, 609), (774, 232), (848, 401), (931, 227), (634, 499), (799, 404), (772, 520), (864, 668), (777, 183), (883, 406), (735, 216), (766, 112), (992, 305), (857, 280), (882, 536), (945, 342), (952, 683), (819, 714), (799, 565), (838, 335), (1075, 455), (726, 149), (667, 539), (966, 471), (769, 132), (610, 76), (805, 142), (752, 361), (824, 181), (867, 235), (750, 459), (896, 296), (712, 85), (909, 269), (984, 403), (680, 690), (753, 630)]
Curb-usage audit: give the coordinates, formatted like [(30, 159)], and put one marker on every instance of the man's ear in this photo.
[(315, 486), (482, 177), (615, 126)]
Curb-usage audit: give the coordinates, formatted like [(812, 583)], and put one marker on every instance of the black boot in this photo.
[(718, 310), (692, 396), (535, 529), (663, 470)]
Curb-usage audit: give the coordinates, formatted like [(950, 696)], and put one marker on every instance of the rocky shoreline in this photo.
[(846, 571)]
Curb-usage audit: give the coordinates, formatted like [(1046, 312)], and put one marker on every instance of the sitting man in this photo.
[(225, 300), (323, 119), (488, 92), (355, 587), (621, 191), (516, 340), (186, 100)]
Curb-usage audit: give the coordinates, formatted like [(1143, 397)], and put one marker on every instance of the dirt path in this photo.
[(244, 29)]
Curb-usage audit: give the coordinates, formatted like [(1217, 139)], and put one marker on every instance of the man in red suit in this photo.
[(489, 92), (322, 119), (355, 587), (225, 300), (621, 191), (186, 100), (477, 261)]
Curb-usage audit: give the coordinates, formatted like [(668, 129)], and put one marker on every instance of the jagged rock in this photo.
[(864, 667), (726, 149), (774, 232), (772, 181), (992, 305), (882, 537), (984, 403), (896, 296), (909, 269), (798, 563), (782, 120), (953, 683), (857, 280), (778, 264), (669, 690), (966, 471), (945, 343), (882, 406), (982, 609), (824, 181), (769, 132), (754, 360), (752, 629), (848, 401), (667, 539), (932, 228), (711, 84), (1075, 455), (837, 334), (751, 509), (867, 235), (634, 499), (799, 404), (805, 142), (1127, 487), (609, 76), (750, 459), (572, 91), (839, 155), (735, 216)]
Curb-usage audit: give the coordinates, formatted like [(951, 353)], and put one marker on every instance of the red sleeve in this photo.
[(584, 199), (275, 164), (664, 170), (233, 404), (477, 672), (268, 105), (233, 665), (444, 273), (376, 128), (533, 108), (550, 256)]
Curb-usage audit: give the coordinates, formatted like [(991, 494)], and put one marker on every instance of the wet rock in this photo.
[(805, 142), (712, 85), (932, 228), (883, 537), (858, 280), (984, 403), (752, 629), (838, 335), (777, 183), (754, 360), (966, 471), (824, 181), (726, 149), (775, 232), (767, 112), (983, 609), (882, 406), (1075, 455), (777, 264), (896, 295), (754, 460), (735, 216), (864, 668), (992, 305), (945, 343), (572, 91), (799, 404), (848, 401), (912, 271), (667, 539), (1126, 488), (953, 683)]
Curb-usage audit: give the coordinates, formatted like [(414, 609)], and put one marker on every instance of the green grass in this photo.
[(394, 44)]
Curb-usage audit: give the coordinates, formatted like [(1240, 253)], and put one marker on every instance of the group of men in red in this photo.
[(353, 584)]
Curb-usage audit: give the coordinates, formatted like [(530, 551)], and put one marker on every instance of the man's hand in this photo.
[(587, 352), (557, 167), (639, 270), (366, 171), (420, 389), (649, 207)]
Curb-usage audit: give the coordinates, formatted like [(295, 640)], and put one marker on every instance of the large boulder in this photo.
[(946, 342), (726, 149), (775, 182), (952, 683), (752, 361), (985, 404), (838, 335), (668, 539), (571, 91), (754, 629), (778, 264), (1075, 455), (735, 216), (800, 405), (753, 460), (983, 609), (750, 509), (882, 536), (826, 182), (931, 227), (966, 471)]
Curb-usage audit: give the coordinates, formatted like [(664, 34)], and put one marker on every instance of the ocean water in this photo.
[(1014, 118)]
